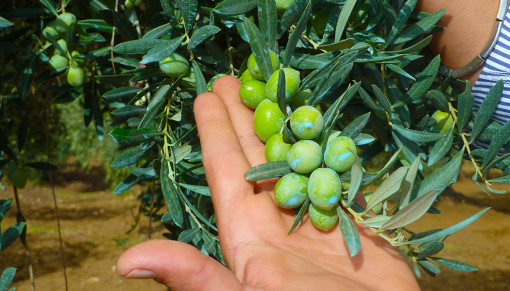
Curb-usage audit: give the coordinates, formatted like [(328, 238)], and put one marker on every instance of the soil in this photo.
[(96, 228)]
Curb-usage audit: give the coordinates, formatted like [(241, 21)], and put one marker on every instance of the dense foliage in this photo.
[(140, 65)]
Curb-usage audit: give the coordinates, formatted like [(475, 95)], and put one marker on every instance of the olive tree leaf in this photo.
[(501, 138), (415, 47), (388, 187), (334, 110), (343, 18), (441, 178), (299, 215), (455, 265), (5, 23), (465, 103), (280, 92), (155, 105), (130, 136), (356, 178), (199, 79), (400, 71), (170, 194), (267, 171), (235, 7), (429, 249), (296, 34), (6, 278), (202, 190), (356, 126), (408, 184), (440, 148), (120, 92), (126, 184), (425, 79), (188, 235), (292, 14), (381, 98), (411, 212), (319, 74), (143, 173), (202, 34), (419, 28), (415, 135), (493, 163), (128, 157), (369, 178), (486, 109), (139, 46), (429, 267), (189, 9), (161, 51), (337, 46), (260, 51), (268, 20), (447, 231), (376, 221), (158, 31), (401, 19), (349, 232), (11, 234), (438, 99)]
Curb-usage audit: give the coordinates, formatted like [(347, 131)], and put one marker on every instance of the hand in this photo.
[(253, 230)]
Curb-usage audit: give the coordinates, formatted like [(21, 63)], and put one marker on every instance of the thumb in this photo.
[(177, 265)]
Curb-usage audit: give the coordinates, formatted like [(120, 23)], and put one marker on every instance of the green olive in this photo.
[(276, 149), (213, 80), (62, 43), (324, 188), (252, 92), (58, 62), (75, 76), (283, 5), (174, 65), (301, 98), (304, 156), (50, 30), (292, 80), (444, 121), (188, 81), (246, 76), (77, 59), (306, 122), (254, 68), (268, 119), (63, 22), (322, 219), (291, 190), (130, 4), (339, 154)]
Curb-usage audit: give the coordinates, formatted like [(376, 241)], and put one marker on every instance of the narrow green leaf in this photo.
[(501, 180), (189, 9), (415, 47), (425, 79), (430, 249), (319, 74), (356, 178), (400, 71), (188, 235), (465, 103), (130, 136), (139, 46), (125, 27), (381, 98), (440, 148), (349, 232), (401, 19), (416, 269), (5, 23), (170, 193), (235, 7), (442, 177), (121, 92), (49, 6), (343, 18), (260, 51), (419, 28), (143, 173), (369, 178), (4, 207), (202, 34), (428, 266), (411, 212), (439, 100), (369, 102), (200, 82), (408, 184), (455, 265), (202, 190), (126, 184), (388, 187), (415, 135), (296, 34), (158, 31), (162, 51), (501, 138), (356, 126), (299, 216), (128, 110), (6, 278), (11, 234), (335, 109), (376, 221), (128, 157), (155, 105), (445, 232), (268, 20), (267, 171), (280, 93), (337, 46), (292, 15)]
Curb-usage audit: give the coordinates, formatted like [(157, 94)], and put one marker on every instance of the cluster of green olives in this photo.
[(130, 4), (309, 179), (63, 60)]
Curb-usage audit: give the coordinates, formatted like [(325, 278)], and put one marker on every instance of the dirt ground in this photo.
[(95, 223)]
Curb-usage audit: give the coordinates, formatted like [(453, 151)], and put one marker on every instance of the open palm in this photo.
[(253, 230)]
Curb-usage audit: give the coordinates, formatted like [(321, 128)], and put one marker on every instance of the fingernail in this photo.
[(141, 274)]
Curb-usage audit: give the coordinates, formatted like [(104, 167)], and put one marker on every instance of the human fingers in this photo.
[(227, 88), (177, 265)]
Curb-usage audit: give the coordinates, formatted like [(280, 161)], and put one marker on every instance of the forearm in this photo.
[(468, 25)]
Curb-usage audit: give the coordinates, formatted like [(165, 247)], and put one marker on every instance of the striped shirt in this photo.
[(497, 67)]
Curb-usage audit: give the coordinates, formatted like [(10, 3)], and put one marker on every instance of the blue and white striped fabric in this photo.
[(497, 67)]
